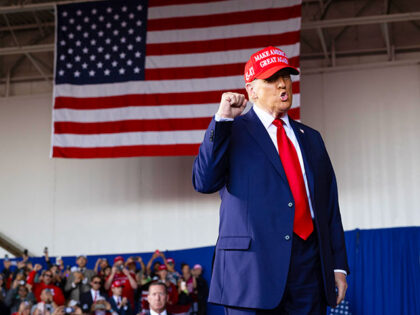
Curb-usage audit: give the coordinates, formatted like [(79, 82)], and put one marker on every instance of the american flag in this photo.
[(144, 78)]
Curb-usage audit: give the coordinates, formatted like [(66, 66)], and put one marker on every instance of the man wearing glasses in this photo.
[(45, 283), (93, 295)]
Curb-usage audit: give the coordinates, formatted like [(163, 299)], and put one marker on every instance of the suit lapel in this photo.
[(260, 135), (304, 148)]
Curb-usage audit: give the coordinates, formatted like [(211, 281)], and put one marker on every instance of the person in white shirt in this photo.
[(90, 297)]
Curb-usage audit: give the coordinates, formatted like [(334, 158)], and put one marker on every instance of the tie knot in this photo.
[(278, 122)]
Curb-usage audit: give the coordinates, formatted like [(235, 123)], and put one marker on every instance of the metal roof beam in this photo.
[(323, 45), (387, 39), (27, 26), (363, 20), (37, 67), (35, 6), (26, 49)]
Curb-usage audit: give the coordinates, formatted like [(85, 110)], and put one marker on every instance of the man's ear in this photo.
[(250, 88)]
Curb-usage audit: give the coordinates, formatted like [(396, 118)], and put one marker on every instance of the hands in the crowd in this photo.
[(78, 277), (37, 267)]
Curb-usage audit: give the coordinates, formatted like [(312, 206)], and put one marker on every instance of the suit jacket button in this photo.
[(290, 204), (287, 237), (211, 135)]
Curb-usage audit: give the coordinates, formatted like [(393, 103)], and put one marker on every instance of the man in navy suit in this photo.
[(281, 246), (119, 303)]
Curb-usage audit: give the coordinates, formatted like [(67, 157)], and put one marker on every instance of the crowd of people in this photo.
[(118, 287)]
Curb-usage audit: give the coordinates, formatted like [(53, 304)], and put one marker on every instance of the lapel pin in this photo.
[(302, 131)]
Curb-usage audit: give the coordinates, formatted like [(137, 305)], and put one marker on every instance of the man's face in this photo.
[(197, 271), (118, 263), (273, 94), (22, 291), (47, 277), (117, 291), (81, 262), (163, 274), (171, 267), (46, 296), (95, 283), (157, 298)]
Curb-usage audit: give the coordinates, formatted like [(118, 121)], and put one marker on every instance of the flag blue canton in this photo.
[(101, 42), (342, 308)]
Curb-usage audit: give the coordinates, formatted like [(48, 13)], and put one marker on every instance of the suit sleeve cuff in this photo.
[(218, 118), (340, 271)]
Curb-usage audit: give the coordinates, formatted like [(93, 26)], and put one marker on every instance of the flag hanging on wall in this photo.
[(144, 78)]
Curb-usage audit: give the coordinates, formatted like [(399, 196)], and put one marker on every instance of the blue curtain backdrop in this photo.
[(384, 263)]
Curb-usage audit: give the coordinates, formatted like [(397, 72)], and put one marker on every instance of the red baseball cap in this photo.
[(163, 267), (170, 261), (264, 63), (117, 284), (118, 258)]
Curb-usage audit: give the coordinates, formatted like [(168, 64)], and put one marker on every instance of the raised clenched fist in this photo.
[(231, 105)]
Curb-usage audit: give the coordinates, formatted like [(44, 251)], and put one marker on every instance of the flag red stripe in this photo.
[(117, 101), (132, 126), (294, 113), (140, 100), (159, 3), (231, 18), (125, 151), (202, 71), (222, 44)]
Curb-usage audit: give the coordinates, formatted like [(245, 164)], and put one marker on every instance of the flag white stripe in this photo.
[(198, 9), (223, 32), (211, 58), (129, 138), (153, 87), (142, 112)]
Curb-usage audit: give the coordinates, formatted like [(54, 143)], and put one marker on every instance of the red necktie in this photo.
[(302, 224)]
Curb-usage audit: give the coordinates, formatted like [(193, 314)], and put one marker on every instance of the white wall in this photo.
[(370, 123), (368, 120)]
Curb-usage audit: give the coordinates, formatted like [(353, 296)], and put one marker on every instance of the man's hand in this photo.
[(37, 267), (125, 271), (231, 105), (59, 311), (341, 284), (78, 277)]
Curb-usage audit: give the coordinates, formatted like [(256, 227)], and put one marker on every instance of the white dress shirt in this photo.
[(95, 295), (152, 312)]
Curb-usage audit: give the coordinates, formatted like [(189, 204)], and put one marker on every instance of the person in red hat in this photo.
[(171, 288), (173, 275), (281, 246), (118, 302), (126, 278)]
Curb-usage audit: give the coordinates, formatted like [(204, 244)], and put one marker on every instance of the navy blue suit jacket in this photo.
[(120, 311), (252, 254)]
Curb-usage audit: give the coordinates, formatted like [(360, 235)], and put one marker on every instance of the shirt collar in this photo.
[(152, 312), (267, 119)]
